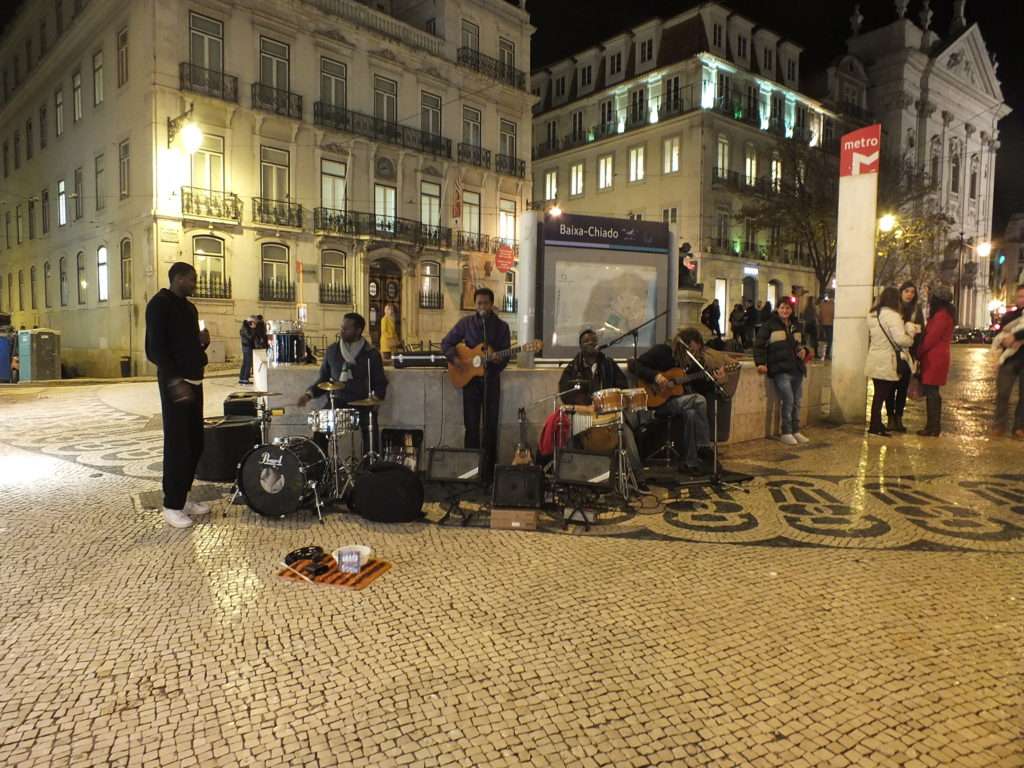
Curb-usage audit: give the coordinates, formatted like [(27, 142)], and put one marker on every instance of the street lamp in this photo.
[(183, 125), (887, 223), (984, 250), (554, 211)]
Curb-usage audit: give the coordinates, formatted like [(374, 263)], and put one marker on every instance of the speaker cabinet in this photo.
[(594, 470), (518, 486), (453, 465), (225, 443)]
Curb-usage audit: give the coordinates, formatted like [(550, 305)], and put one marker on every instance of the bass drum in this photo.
[(387, 493), (276, 479)]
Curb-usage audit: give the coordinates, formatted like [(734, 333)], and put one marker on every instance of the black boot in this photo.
[(896, 424), (933, 407)]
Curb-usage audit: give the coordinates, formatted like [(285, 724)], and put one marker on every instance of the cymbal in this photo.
[(330, 386), (266, 394), (368, 403)]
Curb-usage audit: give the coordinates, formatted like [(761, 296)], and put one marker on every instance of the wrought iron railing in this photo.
[(382, 23), (277, 289), (677, 101), (211, 204), (636, 117), (212, 286), (278, 212), (341, 119), (474, 155), (492, 68), (431, 299), (271, 99), (364, 224), (509, 165), (472, 241), (545, 149), (496, 243), (335, 294), (723, 177), (208, 82)]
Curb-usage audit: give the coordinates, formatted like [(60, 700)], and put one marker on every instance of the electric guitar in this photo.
[(677, 380), (469, 362), (523, 454)]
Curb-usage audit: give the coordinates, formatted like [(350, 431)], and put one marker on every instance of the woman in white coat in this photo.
[(888, 341)]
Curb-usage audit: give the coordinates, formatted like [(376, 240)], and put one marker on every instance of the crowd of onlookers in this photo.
[(747, 318)]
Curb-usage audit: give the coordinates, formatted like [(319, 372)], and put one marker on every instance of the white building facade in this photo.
[(682, 120), (350, 156)]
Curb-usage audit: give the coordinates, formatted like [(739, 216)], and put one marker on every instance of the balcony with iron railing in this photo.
[(334, 293), (497, 242), (636, 117), (379, 129), (431, 299), (370, 225), (381, 23), (574, 139), (212, 286), (545, 149), (210, 204), (802, 134), (208, 82), (510, 166), (474, 155), (754, 249), (723, 177), (722, 245), (271, 99), (276, 289), (279, 213), (677, 101), (492, 68), (472, 241)]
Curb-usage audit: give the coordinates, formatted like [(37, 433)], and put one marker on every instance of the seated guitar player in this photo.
[(690, 408), (594, 371)]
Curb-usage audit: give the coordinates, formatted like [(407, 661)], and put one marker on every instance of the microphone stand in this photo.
[(715, 480), (635, 333)]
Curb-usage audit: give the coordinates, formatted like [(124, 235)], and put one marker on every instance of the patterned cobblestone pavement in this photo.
[(859, 607)]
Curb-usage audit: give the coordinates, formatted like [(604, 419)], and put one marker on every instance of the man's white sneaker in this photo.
[(801, 438), (177, 518), (196, 508), (788, 440)]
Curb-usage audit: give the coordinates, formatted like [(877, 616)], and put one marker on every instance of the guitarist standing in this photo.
[(1011, 371), (481, 397)]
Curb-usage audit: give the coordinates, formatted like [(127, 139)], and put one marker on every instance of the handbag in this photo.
[(915, 389), (902, 366)]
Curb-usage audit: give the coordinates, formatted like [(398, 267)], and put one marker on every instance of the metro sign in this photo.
[(860, 151)]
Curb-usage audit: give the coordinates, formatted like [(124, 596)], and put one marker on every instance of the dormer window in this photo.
[(741, 47), (716, 35), (791, 70), (560, 87), (586, 75), (646, 51), (615, 64), (768, 60)]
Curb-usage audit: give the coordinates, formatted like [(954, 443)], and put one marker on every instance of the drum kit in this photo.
[(277, 478)]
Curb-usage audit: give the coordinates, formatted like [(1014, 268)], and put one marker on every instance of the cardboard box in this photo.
[(514, 519)]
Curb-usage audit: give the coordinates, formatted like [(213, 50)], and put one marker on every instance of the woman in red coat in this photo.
[(933, 353)]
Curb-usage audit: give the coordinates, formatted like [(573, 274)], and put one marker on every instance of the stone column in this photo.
[(526, 282)]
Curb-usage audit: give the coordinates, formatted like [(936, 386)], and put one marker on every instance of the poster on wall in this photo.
[(479, 271)]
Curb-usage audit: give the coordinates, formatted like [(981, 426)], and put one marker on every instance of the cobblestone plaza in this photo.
[(860, 606)]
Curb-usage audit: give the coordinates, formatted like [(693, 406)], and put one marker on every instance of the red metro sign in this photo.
[(860, 151)]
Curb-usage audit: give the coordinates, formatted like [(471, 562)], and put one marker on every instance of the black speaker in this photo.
[(388, 493), (240, 404), (518, 486), (453, 465), (225, 443), (594, 470)]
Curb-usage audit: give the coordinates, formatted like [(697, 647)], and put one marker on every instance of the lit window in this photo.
[(551, 185), (604, 171), (576, 179), (636, 164), (670, 155)]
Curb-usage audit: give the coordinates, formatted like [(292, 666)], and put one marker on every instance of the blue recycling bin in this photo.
[(6, 350)]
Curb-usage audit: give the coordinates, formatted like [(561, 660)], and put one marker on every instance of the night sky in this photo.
[(567, 26)]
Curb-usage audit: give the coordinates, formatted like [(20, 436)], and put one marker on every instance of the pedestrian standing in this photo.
[(750, 323), (177, 347), (736, 323), (245, 334), (780, 353), (390, 337), (910, 311), (809, 317), (888, 342), (260, 345), (826, 317), (1011, 370), (711, 316), (933, 353)]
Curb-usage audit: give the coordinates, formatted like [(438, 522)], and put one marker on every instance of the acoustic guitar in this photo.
[(677, 380), (469, 362), (523, 454)]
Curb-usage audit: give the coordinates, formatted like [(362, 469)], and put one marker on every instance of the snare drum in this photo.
[(608, 400), (331, 421), (634, 399)]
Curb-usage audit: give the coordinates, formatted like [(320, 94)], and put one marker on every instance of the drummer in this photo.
[(355, 363), (593, 371)]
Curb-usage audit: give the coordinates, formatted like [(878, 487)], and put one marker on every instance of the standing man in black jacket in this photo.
[(357, 364), (177, 347)]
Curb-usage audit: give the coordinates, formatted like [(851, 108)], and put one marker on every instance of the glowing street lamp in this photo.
[(887, 223), (188, 129), (554, 211), (984, 250)]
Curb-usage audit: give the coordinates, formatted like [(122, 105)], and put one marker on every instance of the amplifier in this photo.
[(225, 443), (518, 486), (594, 470), (419, 360), (453, 465), (240, 404)]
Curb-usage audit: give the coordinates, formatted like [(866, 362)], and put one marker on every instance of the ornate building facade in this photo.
[(350, 155)]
